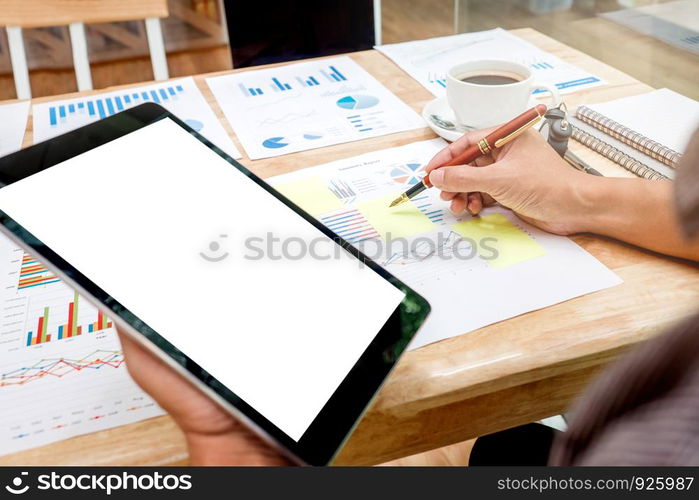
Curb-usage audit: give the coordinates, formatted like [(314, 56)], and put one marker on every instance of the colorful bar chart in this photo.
[(33, 274), (39, 336), (66, 330), (102, 107), (102, 323), (350, 225), (71, 329)]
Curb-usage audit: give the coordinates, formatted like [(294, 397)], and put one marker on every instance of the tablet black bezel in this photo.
[(333, 424)]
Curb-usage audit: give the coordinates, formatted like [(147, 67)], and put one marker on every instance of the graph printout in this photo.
[(309, 105), (62, 372), (181, 97), (474, 271), (429, 60)]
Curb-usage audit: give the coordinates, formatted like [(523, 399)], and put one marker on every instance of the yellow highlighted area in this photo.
[(401, 221), (513, 245), (311, 194)]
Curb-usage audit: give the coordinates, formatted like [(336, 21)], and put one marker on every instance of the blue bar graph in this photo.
[(330, 74), (119, 106), (280, 85), (100, 109), (335, 72), (110, 106), (52, 116), (71, 108), (90, 108)]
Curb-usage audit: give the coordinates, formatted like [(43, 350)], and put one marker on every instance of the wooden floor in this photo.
[(649, 60)]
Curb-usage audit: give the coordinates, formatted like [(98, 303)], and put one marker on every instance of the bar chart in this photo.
[(102, 107), (427, 207), (285, 82), (181, 97), (34, 274), (70, 327), (350, 225)]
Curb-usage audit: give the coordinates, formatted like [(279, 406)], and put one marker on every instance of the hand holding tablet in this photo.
[(295, 349)]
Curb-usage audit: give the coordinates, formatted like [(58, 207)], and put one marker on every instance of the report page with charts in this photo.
[(62, 371), (309, 105), (474, 271)]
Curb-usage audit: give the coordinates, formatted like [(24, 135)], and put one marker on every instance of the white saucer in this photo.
[(440, 107)]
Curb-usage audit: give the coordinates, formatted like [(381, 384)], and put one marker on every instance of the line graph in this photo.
[(60, 367)]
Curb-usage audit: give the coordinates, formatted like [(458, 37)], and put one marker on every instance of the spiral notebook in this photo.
[(646, 134)]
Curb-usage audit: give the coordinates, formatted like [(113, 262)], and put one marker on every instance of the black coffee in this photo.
[(489, 79)]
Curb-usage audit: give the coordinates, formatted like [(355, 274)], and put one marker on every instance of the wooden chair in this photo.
[(18, 14)]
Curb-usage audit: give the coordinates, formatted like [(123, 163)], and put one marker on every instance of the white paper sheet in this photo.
[(429, 60), (309, 105), (57, 388), (664, 116), (466, 292), (181, 97), (13, 123)]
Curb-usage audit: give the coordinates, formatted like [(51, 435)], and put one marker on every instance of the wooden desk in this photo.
[(500, 376)]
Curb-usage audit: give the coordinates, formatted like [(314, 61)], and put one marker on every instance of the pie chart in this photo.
[(275, 143), (357, 101), (409, 174)]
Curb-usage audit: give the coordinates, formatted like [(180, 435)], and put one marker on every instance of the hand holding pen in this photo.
[(495, 139), (525, 175)]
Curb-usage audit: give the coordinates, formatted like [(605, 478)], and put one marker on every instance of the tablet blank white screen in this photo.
[(135, 215)]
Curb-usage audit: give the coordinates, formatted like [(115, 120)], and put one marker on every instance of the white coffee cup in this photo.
[(481, 105)]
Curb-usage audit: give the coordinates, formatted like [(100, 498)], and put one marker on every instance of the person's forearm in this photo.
[(637, 211)]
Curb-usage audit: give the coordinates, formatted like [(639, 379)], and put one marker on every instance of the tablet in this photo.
[(284, 324)]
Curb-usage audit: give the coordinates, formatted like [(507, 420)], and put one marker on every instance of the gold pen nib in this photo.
[(401, 199)]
